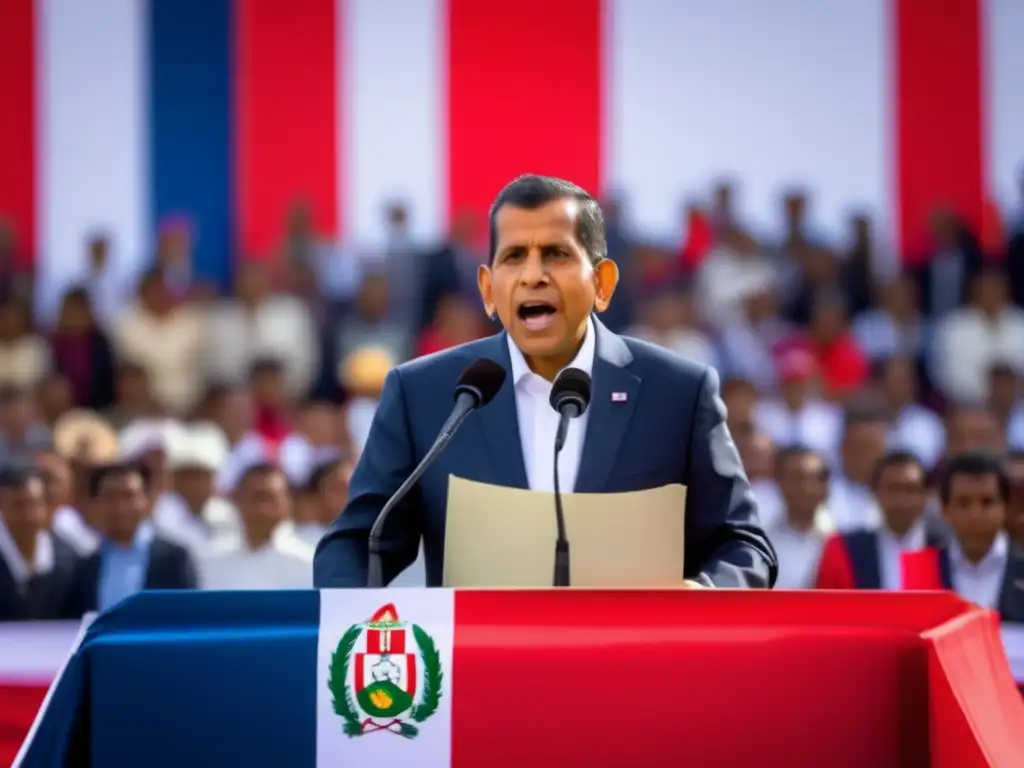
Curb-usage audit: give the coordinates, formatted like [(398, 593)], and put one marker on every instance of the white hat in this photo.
[(200, 446), (145, 435)]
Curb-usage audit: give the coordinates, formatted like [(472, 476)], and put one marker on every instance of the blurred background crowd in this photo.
[(217, 432)]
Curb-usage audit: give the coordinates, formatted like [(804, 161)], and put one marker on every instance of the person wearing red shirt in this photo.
[(843, 365)]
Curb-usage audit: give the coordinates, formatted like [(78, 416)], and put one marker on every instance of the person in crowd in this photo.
[(257, 324), (896, 555), (25, 357), (799, 534), (950, 265), (133, 396), (896, 326), (83, 353), (131, 557), (363, 375), (972, 428), (22, 432), (455, 322), (315, 439), (165, 337), (969, 341), (798, 416), (371, 319), (912, 426), (841, 362), (192, 513), (37, 567), (669, 319), (851, 501), (266, 554), (321, 499), (984, 566), (749, 340), (1015, 506)]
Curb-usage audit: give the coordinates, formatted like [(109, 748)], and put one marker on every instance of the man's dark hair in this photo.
[(973, 464), (531, 192), (260, 469), (263, 366), (862, 415), (126, 469), (784, 455), (13, 478), (320, 473), (897, 458)]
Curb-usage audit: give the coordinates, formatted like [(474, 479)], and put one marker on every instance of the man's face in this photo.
[(23, 509), (863, 445), (902, 495), (195, 484), (803, 484), (264, 498), (975, 510), (541, 281), (122, 503)]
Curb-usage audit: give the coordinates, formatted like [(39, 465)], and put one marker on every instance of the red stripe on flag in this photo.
[(287, 117), (939, 128), (18, 125), (18, 705), (511, 108)]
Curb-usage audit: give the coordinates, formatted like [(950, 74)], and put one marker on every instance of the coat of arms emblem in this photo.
[(385, 675)]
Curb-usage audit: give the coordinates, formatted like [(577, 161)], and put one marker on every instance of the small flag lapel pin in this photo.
[(618, 397)]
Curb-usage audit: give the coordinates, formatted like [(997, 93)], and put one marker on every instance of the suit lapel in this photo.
[(499, 422), (1011, 595), (614, 392), (862, 549), (154, 561)]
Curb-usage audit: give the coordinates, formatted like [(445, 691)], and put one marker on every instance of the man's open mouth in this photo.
[(536, 315)]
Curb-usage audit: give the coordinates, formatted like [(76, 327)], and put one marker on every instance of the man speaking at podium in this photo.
[(654, 419)]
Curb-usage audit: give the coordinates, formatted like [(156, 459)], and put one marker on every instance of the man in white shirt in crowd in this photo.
[(798, 417), (799, 534), (850, 500), (913, 427), (974, 492), (266, 554), (192, 513), (969, 341)]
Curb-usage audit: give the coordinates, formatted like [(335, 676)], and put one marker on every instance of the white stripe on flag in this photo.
[(384, 739), (1003, 27), (780, 94), (92, 145), (392, 109)]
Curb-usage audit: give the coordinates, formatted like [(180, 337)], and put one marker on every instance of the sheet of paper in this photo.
[(505, 537)]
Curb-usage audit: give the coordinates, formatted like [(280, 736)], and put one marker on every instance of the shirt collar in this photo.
[(140, 542), (584, 359), (20, 569), (912, 540), (994, 559)]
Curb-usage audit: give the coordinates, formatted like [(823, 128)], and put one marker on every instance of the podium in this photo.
[(555, 678)]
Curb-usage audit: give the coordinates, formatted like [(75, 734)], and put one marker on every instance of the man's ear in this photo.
[(483, 283), (606, 278)]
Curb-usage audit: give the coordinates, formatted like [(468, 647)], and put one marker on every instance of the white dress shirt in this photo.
[(852, 505), (285, 562), (890, 553), (538, 421), (20, 569), (69, 524), (981, 584), (173, 519), (799, 552)]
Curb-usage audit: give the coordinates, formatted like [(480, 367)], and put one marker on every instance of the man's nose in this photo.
[(534, 271)]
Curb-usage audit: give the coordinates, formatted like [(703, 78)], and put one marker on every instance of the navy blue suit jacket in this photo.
[(669, 429)]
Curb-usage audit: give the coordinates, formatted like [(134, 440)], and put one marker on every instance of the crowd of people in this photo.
[(157, 432)]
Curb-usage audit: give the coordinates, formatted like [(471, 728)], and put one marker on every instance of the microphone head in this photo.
[(482, 379), (572, 387)]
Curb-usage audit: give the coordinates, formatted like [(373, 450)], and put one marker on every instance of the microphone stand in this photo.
[(375, 566), (561, 577)]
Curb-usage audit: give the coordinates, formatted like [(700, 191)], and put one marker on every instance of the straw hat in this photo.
[(86, 437), (365, 369)]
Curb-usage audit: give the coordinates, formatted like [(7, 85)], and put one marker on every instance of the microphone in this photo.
[(477, 386), (570, 396)]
